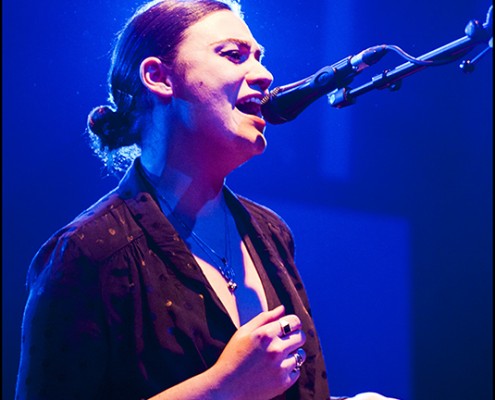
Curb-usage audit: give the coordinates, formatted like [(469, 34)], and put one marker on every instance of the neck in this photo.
[(187, 173), (189, 195)]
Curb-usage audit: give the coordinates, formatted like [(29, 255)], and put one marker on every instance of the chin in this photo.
[(260, 144), (254, 144), (254, 134), (249, 147)]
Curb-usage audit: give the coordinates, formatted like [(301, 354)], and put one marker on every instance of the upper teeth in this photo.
[(251, 100)]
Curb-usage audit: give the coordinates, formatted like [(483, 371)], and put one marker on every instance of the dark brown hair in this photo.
[(156, 29)]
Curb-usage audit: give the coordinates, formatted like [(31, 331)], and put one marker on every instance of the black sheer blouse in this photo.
[(118, 308)]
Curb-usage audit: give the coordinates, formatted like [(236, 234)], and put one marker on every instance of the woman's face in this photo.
[(218, 83)]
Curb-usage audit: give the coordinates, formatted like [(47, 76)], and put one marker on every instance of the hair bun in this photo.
[(104, 122)]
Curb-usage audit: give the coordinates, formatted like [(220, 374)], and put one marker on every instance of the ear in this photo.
[(155, 76)]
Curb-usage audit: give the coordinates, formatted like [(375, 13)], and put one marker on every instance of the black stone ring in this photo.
[(284, 327)]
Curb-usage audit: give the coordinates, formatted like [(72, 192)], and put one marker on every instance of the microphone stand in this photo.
[(476, 33)]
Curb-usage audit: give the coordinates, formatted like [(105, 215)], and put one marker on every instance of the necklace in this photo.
[(223, 266)]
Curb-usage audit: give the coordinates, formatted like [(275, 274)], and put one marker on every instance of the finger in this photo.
[(293, 342), (299, 357), (286, 325), (294, 375), (294, 361), (265, 318)]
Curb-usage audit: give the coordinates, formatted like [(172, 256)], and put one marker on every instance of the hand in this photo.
[(259, 361), (370, 396)]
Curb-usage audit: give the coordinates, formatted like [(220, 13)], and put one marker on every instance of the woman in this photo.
[(171, 286)]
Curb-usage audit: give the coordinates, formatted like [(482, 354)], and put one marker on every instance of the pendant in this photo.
[(232, 285)]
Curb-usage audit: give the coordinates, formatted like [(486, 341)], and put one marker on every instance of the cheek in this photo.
[(210, 98), (218, 85)]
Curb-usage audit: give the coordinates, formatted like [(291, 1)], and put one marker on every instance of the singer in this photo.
[(172, 286)]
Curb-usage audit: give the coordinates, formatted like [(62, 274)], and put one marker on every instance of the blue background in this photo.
[(390, 200)]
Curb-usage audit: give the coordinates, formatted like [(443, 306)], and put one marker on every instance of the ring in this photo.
[(284, 327), (299, 360)]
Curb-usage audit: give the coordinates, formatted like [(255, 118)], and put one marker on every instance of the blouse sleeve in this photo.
[(63, 350)]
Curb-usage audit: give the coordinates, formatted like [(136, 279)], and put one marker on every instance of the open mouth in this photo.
[(251, 106)]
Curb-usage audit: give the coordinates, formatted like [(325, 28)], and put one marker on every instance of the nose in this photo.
[(259, 75)]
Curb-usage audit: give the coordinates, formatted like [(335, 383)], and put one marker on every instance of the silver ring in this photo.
[(299, 360), (284, 327)]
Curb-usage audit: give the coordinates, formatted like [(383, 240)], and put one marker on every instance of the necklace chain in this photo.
[(223, 266)]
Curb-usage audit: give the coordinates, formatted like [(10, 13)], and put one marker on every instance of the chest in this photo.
[(248, 298)]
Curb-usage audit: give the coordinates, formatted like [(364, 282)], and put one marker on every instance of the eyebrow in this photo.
[(242, 43)]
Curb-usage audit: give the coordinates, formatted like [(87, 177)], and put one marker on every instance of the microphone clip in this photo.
[(285, 103)]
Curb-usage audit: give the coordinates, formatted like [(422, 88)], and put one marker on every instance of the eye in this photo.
[(236, 56)]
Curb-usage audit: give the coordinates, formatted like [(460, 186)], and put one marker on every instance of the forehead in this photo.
[(216, 28)]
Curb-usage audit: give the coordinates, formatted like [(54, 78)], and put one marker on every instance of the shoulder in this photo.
[(104, 227), (94, 235), (261, 212), (269, 222)]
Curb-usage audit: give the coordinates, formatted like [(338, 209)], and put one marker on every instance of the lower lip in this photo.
[(260, 123)]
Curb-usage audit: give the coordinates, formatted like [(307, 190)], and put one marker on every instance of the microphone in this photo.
[(285, 103)]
